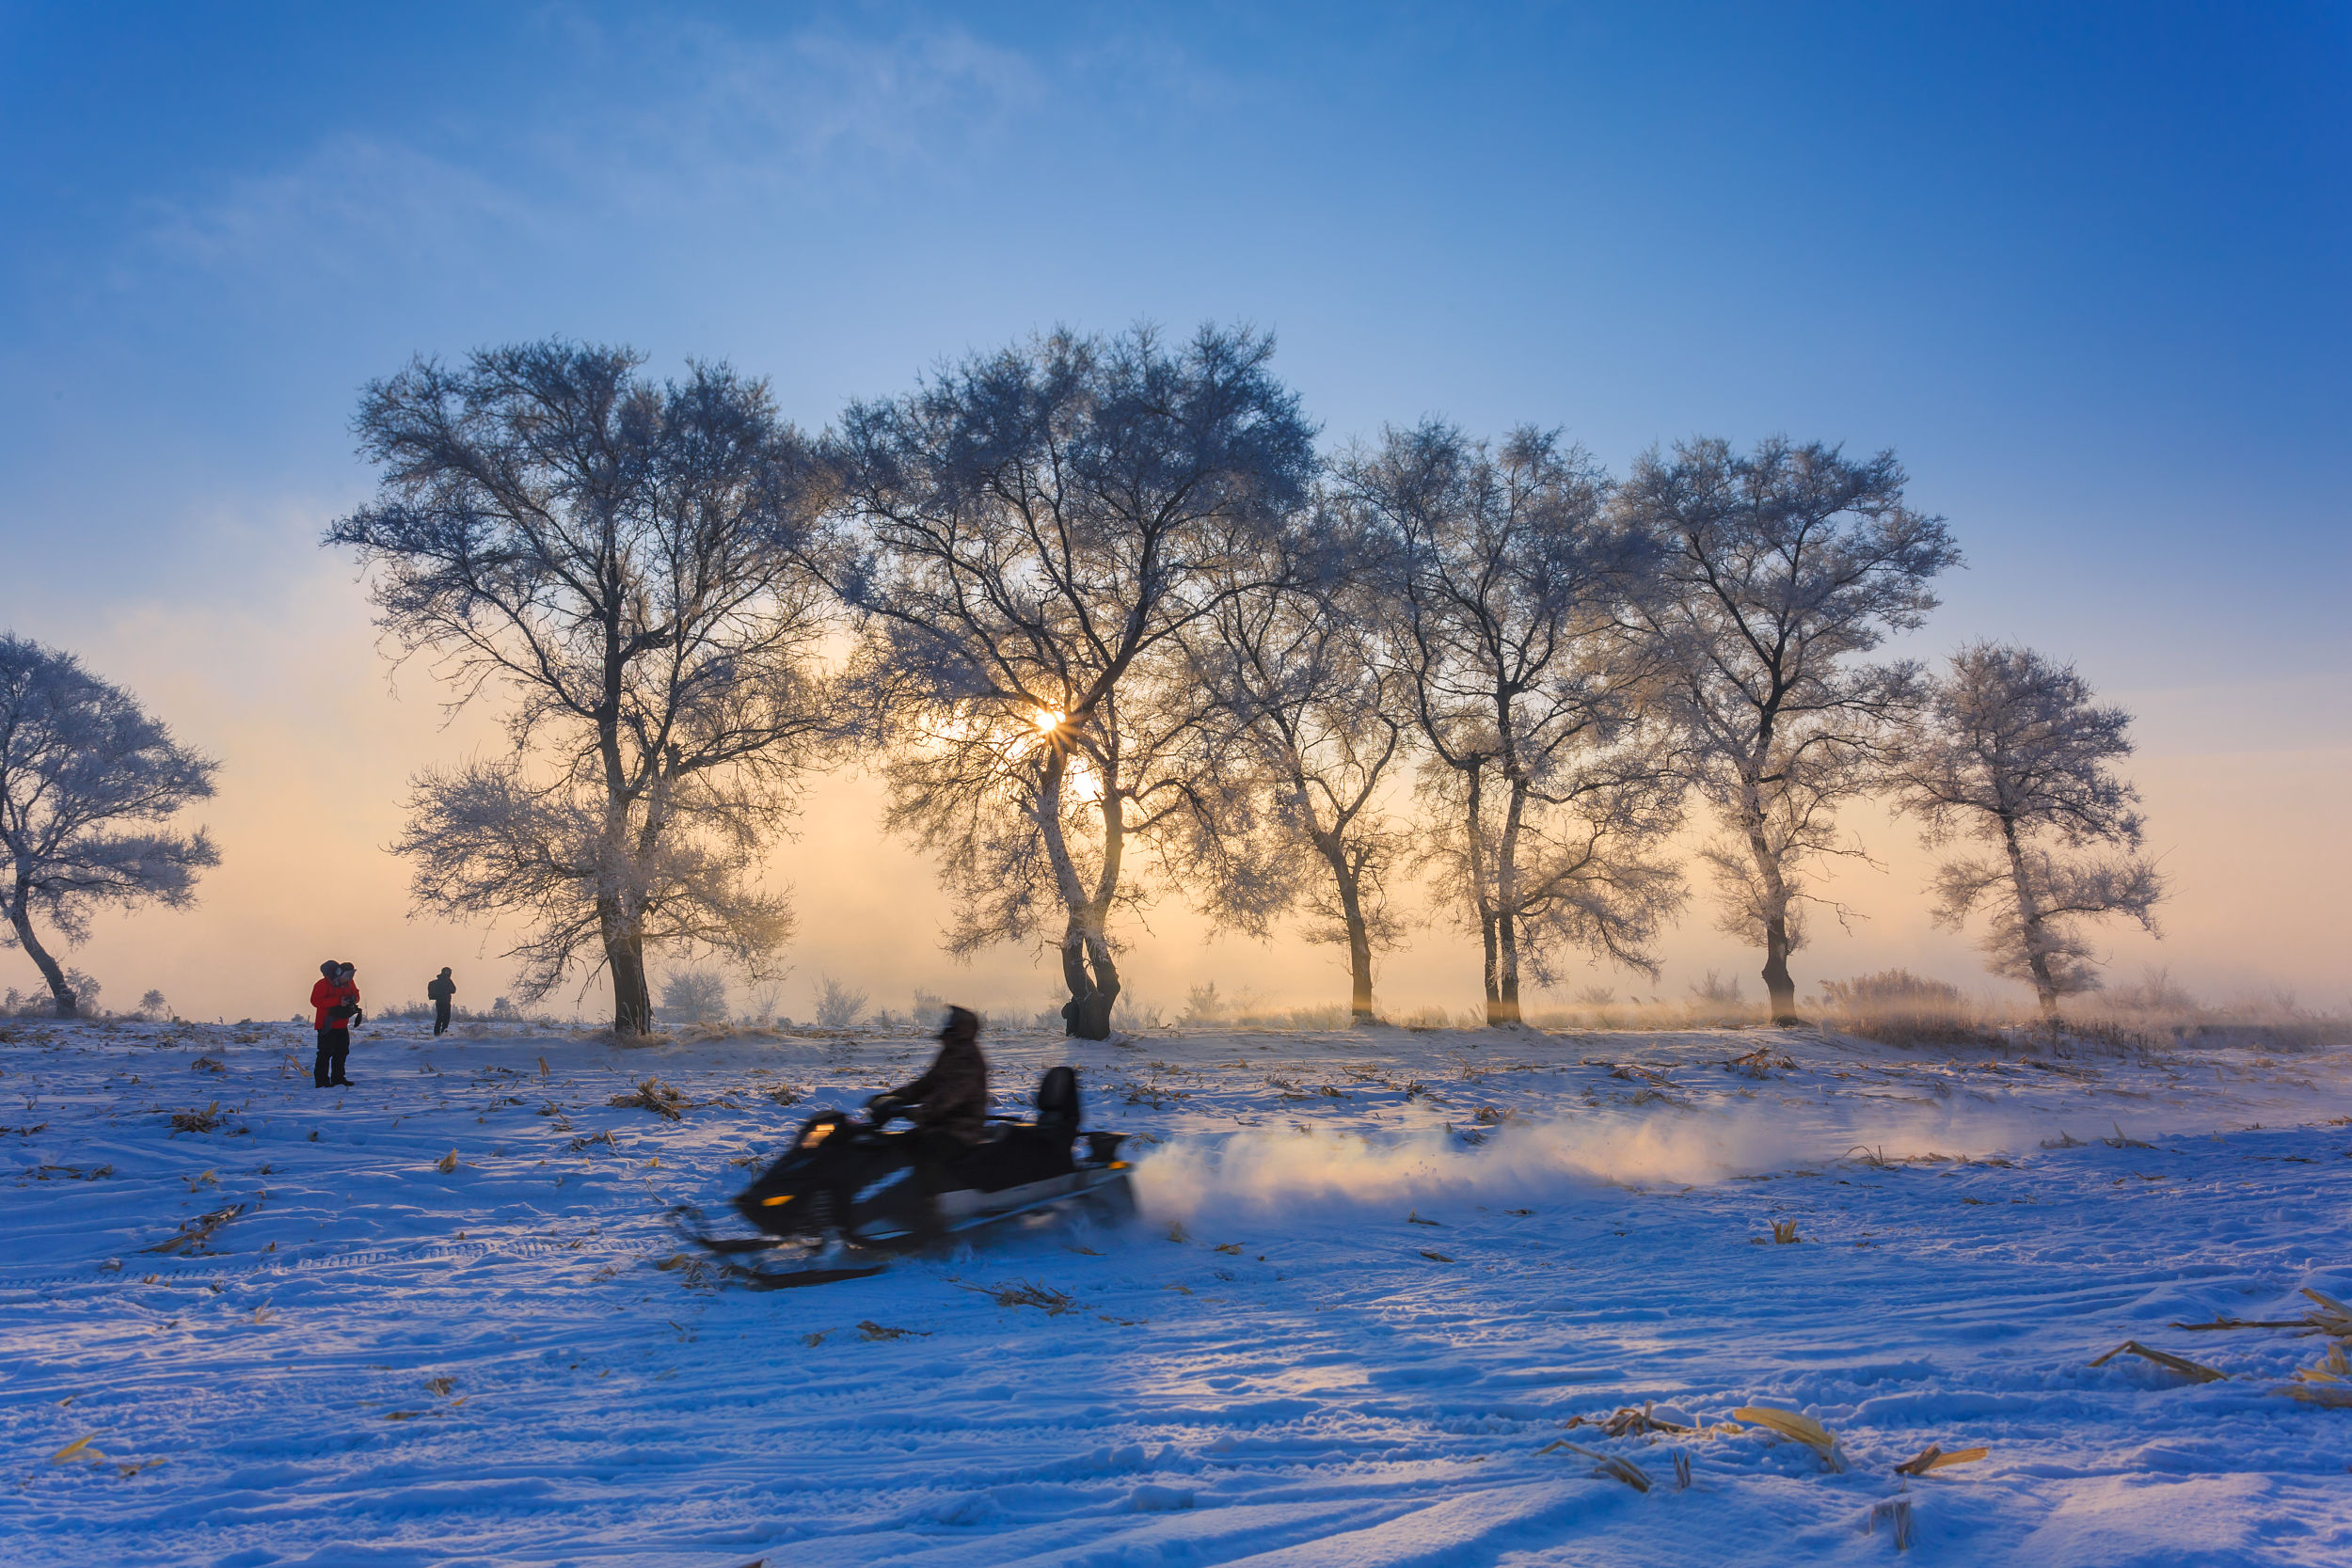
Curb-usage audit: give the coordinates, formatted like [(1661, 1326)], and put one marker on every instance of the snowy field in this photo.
[(1379, 1278)]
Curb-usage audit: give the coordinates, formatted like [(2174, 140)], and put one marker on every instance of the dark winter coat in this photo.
[(951, 1098), (438, 989)]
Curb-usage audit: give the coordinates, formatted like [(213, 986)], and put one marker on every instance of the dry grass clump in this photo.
[(1899, 1008), (655, 1096), (192, 1234), (1025, 1292), (869, 1330), (1626, 1421), (197, 1121)]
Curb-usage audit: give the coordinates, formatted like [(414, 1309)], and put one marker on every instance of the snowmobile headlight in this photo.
[(773, 1202), (816, 1135), (1119, 1164)]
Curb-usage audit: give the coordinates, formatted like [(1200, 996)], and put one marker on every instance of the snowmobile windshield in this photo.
[(815, 1133)]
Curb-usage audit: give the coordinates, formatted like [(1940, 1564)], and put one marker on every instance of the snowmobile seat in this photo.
[(1058, 1102)]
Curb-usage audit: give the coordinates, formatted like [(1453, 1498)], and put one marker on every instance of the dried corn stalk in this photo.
[(2166, 1360), (1896, 1512), (1605, 1467), (1934, 1458)]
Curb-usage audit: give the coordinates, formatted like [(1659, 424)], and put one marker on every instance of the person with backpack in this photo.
[(335, 1003), (441, 989)]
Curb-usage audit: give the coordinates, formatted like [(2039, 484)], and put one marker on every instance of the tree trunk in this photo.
[(21, 918), (1492, 976), (1349, 880), (1073, 975), (1503, 1011), (1502, 993), (1093, 1019), (625, 956), (2029, 924), (1358, 955), (1780, 991)]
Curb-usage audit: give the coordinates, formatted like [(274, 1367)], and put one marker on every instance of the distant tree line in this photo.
[(1117, 630)]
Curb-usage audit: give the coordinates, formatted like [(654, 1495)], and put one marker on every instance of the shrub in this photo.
[(838, 1006)]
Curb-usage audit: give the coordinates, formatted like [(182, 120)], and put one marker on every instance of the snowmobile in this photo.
[(846, 1189)]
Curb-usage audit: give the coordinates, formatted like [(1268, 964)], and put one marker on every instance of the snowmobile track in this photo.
[(169, 1274)]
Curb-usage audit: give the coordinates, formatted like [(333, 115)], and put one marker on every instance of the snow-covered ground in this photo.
[(1377, 1276)]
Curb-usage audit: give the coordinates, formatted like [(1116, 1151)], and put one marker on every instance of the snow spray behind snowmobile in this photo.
[(846, 1187)]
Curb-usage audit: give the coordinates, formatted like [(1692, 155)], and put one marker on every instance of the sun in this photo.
[(1049, 719)]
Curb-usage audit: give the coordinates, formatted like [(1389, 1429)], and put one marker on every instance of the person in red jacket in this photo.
[(335, 1001)]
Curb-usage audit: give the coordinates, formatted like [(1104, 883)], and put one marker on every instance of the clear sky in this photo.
[(2084, 266)]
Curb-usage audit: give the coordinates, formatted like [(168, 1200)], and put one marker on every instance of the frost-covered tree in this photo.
[(1307, 732), (1783, 568), (1033, 532), (88, 781), (2014, 754), (839, 1006), (1550, 791), (694, 996), (619, 559)]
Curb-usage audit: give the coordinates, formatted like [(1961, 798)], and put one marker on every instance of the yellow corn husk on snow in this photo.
[(1803, 1429), (447, 1164), (2334, 1396), (70, 1449), (1932, 1457), (2331, 1302)]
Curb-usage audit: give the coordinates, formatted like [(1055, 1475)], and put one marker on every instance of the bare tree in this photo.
[(1550, 790), (1036, 529), (1308, 730), (1781, 568), (2014, 754), (621, 559), (86, 780)]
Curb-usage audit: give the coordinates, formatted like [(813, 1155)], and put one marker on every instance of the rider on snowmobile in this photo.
[(948, 1104)]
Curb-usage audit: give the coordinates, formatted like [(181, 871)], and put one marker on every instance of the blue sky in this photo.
[(2084, 267)]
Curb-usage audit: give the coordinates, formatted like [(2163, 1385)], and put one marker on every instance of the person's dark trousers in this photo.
[(441, 1017), (334, 1049)]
